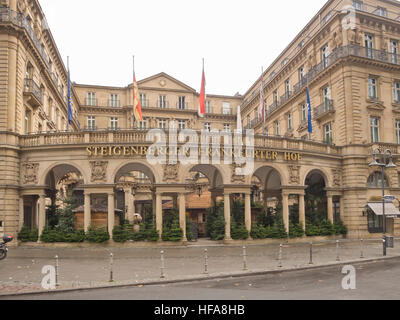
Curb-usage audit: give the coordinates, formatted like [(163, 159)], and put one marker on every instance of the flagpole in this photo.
[(204, 116), (133, 95), (68, 94), (262, 97)]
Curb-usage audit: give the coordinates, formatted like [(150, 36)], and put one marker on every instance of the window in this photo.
[(29, 71), (372, 88), (226, 108), (394, 51), (369, 45), (277, 128), (27, 122), (324, 56), (328, 133), (91, 99), (326, 93), (287, 87), (207, 126), (397, 125), (357, 4), (284, 62), (143, 124), (114, 123), (182, 103), (375, 180), (227, 127), (289, 119), (162, 102), (248, 120), (143, 100), (114, 100), (374, 129), (181, 124), (208, 107), (91, 123), (381, 12), (301, 44), (304, 116), (301, 74), (162, 124), (396, 91), (375, 223), (275, 97)]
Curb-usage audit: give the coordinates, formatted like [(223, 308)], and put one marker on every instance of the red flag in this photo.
[(137, 108), (202, 104)]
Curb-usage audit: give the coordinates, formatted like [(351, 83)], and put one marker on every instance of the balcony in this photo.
[(182, 105), (324, 109), (91, 102), (33, 92), (286, 97), (113, 103), (273, 107)]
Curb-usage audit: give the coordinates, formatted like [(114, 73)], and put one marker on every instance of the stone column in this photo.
[(130, 205), (159, 216), (21, 213), (302, 211), (330, 208), (42, 214), (111, 213), (12, 82), (227, 215), (341, 208), (285, 210), (87, 212), (182, 214), (247, 212)]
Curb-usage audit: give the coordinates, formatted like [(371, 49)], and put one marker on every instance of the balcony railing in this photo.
[(324, 108), (33, 89), (182, 106), (113, 103), (91, 102), (285, 97)]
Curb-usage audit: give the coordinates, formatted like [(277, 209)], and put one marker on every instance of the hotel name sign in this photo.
[(142, 151)]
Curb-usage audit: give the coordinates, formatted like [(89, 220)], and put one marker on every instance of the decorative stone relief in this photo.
[(237, 178), (30, 173), (171, 172), (99, 171), (294, 173), (337, 177)]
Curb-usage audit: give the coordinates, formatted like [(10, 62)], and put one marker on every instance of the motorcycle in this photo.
[(3, 246)]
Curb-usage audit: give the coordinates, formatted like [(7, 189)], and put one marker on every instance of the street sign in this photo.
[(390, 198), (389, 242)]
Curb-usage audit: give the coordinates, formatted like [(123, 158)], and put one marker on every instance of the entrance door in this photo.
[(28, 219)]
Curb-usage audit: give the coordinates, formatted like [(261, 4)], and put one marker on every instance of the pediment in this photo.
[(378, 106), (165, 82)]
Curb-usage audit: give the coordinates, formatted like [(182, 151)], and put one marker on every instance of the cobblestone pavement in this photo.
[(90, 267)]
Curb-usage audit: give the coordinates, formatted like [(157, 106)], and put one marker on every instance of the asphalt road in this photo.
[(374, 281)]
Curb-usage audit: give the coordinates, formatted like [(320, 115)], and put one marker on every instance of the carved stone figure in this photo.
[(99, 171), (237, 178), (30, 175), (294, 173), (171, 172), (337, 177)]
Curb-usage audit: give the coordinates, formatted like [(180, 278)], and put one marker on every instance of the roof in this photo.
[(193, 201), (390, 209)]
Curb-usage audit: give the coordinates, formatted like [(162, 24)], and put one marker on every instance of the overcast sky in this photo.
[(236, 38)]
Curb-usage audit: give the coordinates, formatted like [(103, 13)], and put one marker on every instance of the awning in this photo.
[(390, 210)]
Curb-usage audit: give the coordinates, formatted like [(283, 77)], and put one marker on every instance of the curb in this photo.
[(202, 278)]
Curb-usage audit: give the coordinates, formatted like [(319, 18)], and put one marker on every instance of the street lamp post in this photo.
[(386, 155)]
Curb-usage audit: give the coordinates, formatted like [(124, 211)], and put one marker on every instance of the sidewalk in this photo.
[(90, 267)]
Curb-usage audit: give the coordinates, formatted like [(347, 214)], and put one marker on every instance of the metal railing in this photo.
[(32, 88), (91, 102), (323, 108), (182, 106), (113, 103)]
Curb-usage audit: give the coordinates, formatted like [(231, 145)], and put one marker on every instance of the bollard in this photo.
[(280, 256), (111, 268), (337, 250), (162, 265), (362, 248), (205, 261), (57, 284), (244, 259), (311, 254)]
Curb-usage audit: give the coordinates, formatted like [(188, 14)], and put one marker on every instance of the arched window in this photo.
[(375, 180)]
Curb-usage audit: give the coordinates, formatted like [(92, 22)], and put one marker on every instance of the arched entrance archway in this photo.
[(316, 201)]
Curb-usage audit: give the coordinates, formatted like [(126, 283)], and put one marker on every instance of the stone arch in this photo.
[(269, 176), (130, 166), (319, 171), (215, 174), (56, 171), (374, 180), (283, 176)]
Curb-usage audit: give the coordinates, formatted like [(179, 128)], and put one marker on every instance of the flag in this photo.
[(239, 120), (202, 102), (310, 129), (137, 108), (69, 97)]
